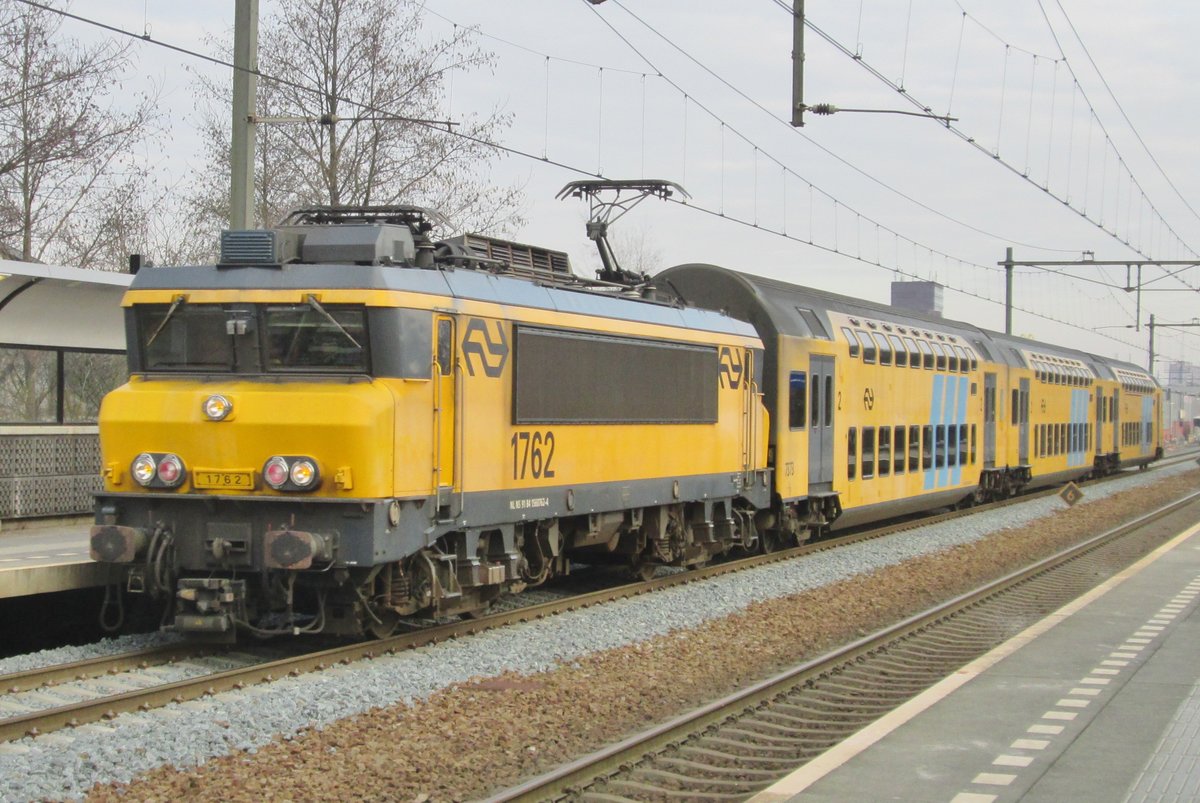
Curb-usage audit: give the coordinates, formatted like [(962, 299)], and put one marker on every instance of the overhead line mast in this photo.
[(245, 90)]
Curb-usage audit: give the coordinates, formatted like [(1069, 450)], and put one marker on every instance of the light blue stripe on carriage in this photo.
[(1147, 418), (935, 415), (961, 419), (1079, 411)]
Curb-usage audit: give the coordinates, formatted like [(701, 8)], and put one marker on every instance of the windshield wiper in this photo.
[(175, 304), (312, 302)]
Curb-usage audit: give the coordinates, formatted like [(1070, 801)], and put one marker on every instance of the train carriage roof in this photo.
[(778, 308)]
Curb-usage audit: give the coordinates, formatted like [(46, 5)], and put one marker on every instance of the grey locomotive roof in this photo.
[(775, 308), (466, 284)]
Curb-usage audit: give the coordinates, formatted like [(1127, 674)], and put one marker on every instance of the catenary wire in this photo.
[(518, 152), (875, 180), (908, 96)]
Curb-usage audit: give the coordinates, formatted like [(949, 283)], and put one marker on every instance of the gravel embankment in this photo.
[(423, 724)]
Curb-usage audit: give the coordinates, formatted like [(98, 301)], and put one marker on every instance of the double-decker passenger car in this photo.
[(878, 411)]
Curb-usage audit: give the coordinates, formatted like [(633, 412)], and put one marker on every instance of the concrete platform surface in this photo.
[(1100, 702), (50, 557)]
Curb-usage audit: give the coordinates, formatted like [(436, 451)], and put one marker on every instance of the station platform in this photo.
[(43, 558), (1099, 702)]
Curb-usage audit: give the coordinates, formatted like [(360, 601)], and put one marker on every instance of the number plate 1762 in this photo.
[(202, 478)]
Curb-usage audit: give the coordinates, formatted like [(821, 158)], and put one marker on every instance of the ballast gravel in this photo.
[(657, 627), (108, 646)]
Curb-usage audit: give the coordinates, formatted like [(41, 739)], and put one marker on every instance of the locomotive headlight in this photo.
[(291, 473), (303, 473), (143, 469), (217, 407), (170, 471), (275, 472)]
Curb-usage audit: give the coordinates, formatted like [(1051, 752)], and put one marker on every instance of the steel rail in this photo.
[(73, 714), (571, 776), (86, 668)]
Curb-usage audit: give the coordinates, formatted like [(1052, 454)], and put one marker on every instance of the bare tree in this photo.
[(364, 68), (66, 148), (634, 248)]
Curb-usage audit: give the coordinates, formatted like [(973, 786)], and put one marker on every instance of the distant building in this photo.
[(1181, 400), (923, 297), (1183, 375)]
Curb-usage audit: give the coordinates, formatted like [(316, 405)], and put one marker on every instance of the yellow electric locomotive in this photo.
[(344, 422)]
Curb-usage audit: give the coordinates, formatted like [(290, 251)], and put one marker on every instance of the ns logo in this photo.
[(731, 368), (487, 350)]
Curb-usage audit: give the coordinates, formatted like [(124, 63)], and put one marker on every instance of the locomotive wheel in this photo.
[(771, 540), (386, 626)]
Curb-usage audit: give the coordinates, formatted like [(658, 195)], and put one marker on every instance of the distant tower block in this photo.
[(924, 297)]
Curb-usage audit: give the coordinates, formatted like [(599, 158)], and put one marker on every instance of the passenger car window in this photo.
[(868, 345), (797, 399)]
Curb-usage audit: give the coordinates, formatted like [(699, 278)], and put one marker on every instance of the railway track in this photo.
[(734, 747), (41, 701)]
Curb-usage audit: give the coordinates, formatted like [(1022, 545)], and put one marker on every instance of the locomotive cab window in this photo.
[(184, 337), (309, 336), (445, 346), (204, 338)]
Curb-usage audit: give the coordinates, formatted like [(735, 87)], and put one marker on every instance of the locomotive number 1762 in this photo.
[(532, 453)]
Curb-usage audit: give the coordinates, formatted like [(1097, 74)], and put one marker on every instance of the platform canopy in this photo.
[(52, 305)]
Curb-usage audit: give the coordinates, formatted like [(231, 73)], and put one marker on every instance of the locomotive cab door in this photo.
[(444, 403), (820, 431)]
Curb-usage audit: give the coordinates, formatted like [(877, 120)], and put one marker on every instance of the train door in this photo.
[(444, 398), (1100, 411), (749, 422), (820, 431), (1116, 420), (989, 420), (1023, 417)]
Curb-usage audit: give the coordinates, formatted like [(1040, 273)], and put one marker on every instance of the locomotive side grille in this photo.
[(521, 259)]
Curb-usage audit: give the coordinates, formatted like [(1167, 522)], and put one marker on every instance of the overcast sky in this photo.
[(602, 89)]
